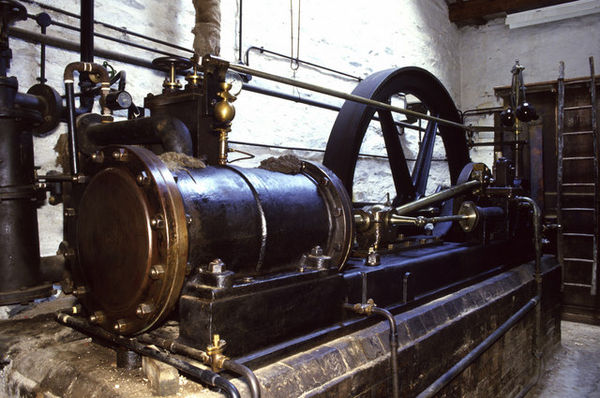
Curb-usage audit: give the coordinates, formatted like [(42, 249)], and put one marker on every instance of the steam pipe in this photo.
[(447, 377), (30, 101), (461, 365), (437, 197), (205, 376), (70, 96), (245, 372), (171, 132), (369, 309), (71, 136), (537, 237), (202, 356)]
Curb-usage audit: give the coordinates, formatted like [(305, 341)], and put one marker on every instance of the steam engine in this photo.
[(160, 226)]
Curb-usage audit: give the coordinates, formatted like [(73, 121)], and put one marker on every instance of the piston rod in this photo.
[(342, 95), (421, 221), (437, 197)]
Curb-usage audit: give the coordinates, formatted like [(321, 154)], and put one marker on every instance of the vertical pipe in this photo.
[(87, 31), (370, 309), (240, 32), (71, 136)]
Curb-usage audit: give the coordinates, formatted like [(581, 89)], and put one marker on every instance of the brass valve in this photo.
[(215, 353), (366, 308)]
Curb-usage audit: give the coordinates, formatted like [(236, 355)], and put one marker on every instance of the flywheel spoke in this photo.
[(420, 173), (405, 190)]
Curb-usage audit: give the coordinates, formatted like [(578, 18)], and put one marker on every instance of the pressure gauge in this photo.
[(235, 80)]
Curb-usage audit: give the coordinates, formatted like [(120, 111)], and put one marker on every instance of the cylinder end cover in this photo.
[(131, 241)]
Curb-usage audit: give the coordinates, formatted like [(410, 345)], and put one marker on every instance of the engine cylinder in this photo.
[(141, 227)]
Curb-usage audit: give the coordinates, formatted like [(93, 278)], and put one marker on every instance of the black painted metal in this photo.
[(307, 308), (86, 50), (168, 131), (275, 219), (192, 108), (87, 31), (420, 173), (21, 279), (352, 122)]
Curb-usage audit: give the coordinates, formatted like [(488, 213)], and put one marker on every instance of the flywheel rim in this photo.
[(343, 146)]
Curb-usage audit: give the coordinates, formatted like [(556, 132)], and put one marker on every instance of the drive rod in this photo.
[(437, 197), (341, 94)]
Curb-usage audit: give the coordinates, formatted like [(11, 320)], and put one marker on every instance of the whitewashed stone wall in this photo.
[(488, 53)]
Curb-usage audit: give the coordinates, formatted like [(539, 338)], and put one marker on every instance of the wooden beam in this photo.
[(463, 12)]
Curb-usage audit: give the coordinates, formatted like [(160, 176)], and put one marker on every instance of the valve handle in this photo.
[(166, 63)]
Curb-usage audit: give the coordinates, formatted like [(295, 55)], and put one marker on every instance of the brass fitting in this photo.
[(224, 113), (215, 353), (366, 308)]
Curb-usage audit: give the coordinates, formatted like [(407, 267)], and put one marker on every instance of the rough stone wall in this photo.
[(488, 53), (358, 38)]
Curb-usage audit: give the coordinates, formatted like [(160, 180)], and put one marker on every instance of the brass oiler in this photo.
[(224, 112)]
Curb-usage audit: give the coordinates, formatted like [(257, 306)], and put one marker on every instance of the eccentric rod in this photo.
[(342, 95)]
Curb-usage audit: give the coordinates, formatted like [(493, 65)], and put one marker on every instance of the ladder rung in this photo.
[(577, 108), (577, 284), (578, 132), (577, 209), (578, 234), (583, 260), (578, 184), (578, 158), (577, 193)]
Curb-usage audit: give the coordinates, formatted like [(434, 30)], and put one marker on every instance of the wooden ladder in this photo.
[(577, 203)]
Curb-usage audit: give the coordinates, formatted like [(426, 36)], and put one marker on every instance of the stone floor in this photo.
[(574, 369)]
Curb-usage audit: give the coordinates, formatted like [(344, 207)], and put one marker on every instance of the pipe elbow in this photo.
[(173, 134), (89, 67)]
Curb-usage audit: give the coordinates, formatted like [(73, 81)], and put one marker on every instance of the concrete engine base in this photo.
[(40, 358)]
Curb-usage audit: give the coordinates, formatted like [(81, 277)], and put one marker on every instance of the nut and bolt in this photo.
[(120, 326), (98, 157), (372, 258), (80, 291), (120, 155), (158, 222), (142, 178), (97, 317), (144, 309), (157, 272), (316, 251), (216, 266)]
